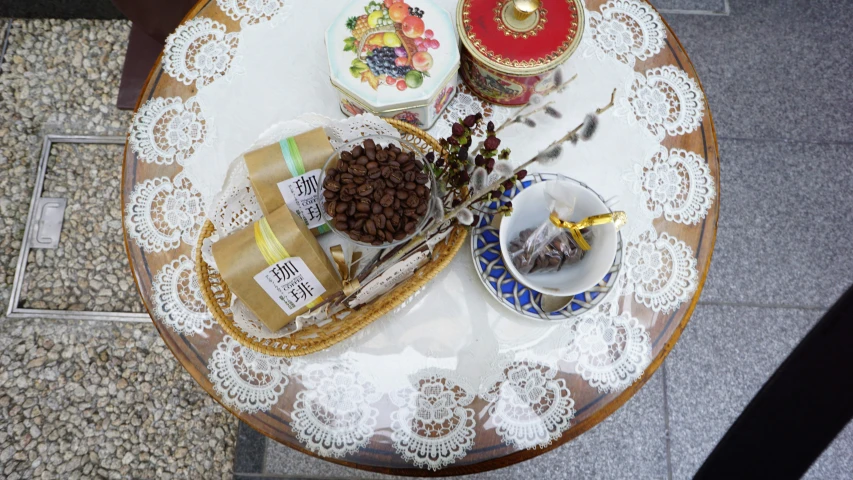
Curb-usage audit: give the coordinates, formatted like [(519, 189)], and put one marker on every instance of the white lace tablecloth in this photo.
[(422, 386)]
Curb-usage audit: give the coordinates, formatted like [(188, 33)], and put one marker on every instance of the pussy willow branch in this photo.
[(523, 113), (417, 241)]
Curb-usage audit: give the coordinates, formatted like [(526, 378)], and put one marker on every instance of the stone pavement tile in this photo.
[(104, 400), (775, 70), (785, 224), (721, 361), (249, 454), (56, 77), (837, 460), (703, 6), (89, 269), (630, 444)]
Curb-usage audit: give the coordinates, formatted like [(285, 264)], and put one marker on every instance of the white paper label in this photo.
[(390, 279), (300, 195), (291, 284)]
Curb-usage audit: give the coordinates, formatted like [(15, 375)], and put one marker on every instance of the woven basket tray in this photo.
[(217, 295)]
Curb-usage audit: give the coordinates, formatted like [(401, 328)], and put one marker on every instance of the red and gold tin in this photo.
[(513, 47)]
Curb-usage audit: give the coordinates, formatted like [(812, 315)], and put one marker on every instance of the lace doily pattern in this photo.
[(529, 406), (466, 103), (167, 130), (625, 30), (665, 100), (178, 300), (200, 51), (610, 352), (162, 212), (432, 427), (245, 379), (333, 415), (253, 12), (660, 270), (675, 184)]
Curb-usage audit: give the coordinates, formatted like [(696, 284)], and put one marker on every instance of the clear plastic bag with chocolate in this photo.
[(549, 248)]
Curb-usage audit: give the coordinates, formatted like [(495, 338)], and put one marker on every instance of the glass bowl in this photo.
[(381, 141)]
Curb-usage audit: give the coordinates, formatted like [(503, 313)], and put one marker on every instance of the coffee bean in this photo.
[(332, 172), (422, 178), (370, 227), (376, 242), (422, 208), (363, 205), (410, 212), (361, 215), (380, 221), (388, 212), (381, 234), (372, 165), (341, 217), (394, 164), (351, 209), (376, 208), (354, 235), (358, 170), (410, 228), (357, 152), (408, 167), (345, 197), (399, 235), (368, 238), (382, 155), (402, 194), (403, 158), (420, 190), (346, 156), (397, 205), (342, 207), (365, 190), (346, 178), (374, 173), (410, 186), (387, 200), (358, 224), (331, 207), (369, 143), (331, 184), (386, 171), (370, 153), (413, 201), (328, 194), (349, 189), (359, 180), (342, 226)]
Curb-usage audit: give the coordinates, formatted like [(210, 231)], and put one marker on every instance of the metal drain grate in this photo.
[(43, 228)]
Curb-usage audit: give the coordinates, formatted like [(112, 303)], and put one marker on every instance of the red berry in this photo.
[(390, 80), (428, 33), (401, 85)]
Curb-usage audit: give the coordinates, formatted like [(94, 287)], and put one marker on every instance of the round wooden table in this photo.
[(163, 214)]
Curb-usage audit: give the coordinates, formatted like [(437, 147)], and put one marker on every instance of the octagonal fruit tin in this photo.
[(394, 58)]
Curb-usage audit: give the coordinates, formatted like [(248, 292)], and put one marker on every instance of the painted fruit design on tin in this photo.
[(409, 117), (443, 98), (351, 108), (391, 45)]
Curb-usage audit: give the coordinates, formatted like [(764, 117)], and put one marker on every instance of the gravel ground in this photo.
[(58, 76), (85, 399), (89, 270), (89, 399)]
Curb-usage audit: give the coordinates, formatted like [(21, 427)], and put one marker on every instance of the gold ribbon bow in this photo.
[(574, 228), (349, 281)]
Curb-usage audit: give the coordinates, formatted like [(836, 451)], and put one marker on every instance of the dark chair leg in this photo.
[(142, 52), (798, 412), (153, 21)]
